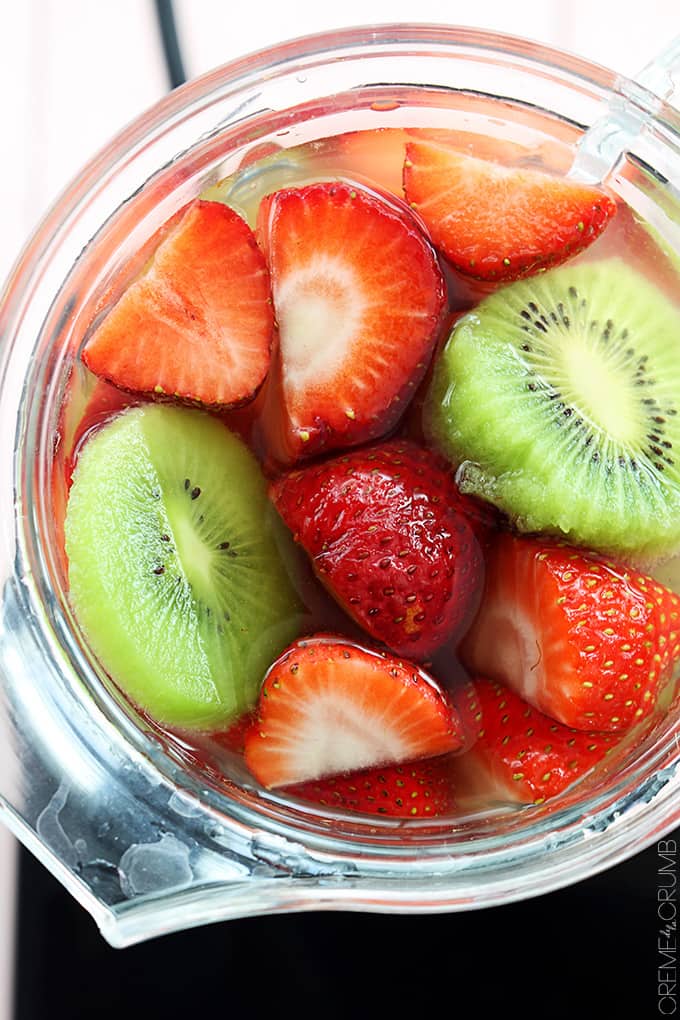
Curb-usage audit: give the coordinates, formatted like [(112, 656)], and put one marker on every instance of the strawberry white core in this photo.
[(319, 308), (332, 737), (513, 643)]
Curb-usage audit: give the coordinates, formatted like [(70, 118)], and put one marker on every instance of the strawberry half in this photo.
[(197, 323), (386, 531), (500, 223), (521, 754), (584, 640), (359, 299), (328, 707), (421, 789)]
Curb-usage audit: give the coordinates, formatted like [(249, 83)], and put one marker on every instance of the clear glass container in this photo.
[(144, 842)]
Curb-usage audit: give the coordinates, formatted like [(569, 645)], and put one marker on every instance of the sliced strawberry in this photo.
[(534, 151), (472, 143), (500, 223), (421, 789), (328, 707), (521, 754), (197, 323), (121, 278), (359, 300), (386, 531), (375, 157), (584, 640)]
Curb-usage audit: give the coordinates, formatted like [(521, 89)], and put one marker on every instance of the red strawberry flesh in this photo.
[(520, 754), (234, 739), (589, 642), (386, 531), (197, 323), (500, 223), (328, 707), (420, 789), (359, 299)]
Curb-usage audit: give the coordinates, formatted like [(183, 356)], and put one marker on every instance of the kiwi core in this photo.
[(600, 389), (196, 558)]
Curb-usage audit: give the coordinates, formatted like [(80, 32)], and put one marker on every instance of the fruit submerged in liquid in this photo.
[(177, 564), (552, 401)]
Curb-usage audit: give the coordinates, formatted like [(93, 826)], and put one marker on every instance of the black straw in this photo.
[(167, 27)]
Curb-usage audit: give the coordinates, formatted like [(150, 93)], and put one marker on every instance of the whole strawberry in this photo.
[(587, 641), (387, 533)]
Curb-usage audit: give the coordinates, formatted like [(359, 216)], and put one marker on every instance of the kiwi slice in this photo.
[(177, 569), (558, 397)]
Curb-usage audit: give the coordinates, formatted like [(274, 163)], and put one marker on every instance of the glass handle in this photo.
[(661, 76), (627, 114)]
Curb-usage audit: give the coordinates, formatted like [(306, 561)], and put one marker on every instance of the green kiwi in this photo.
[(177, 569), (558, 397)]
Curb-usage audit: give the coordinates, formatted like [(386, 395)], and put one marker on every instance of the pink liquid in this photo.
[(373, 159)]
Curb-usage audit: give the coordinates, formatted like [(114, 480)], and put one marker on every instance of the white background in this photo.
[(73, 72)]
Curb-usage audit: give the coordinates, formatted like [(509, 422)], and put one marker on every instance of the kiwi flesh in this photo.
[(178, 565), (558, 399)]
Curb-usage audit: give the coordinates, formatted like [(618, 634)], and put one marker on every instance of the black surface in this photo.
[(589, 951)]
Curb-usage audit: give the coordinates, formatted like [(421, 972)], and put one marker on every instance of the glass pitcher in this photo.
[(145, 843)]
